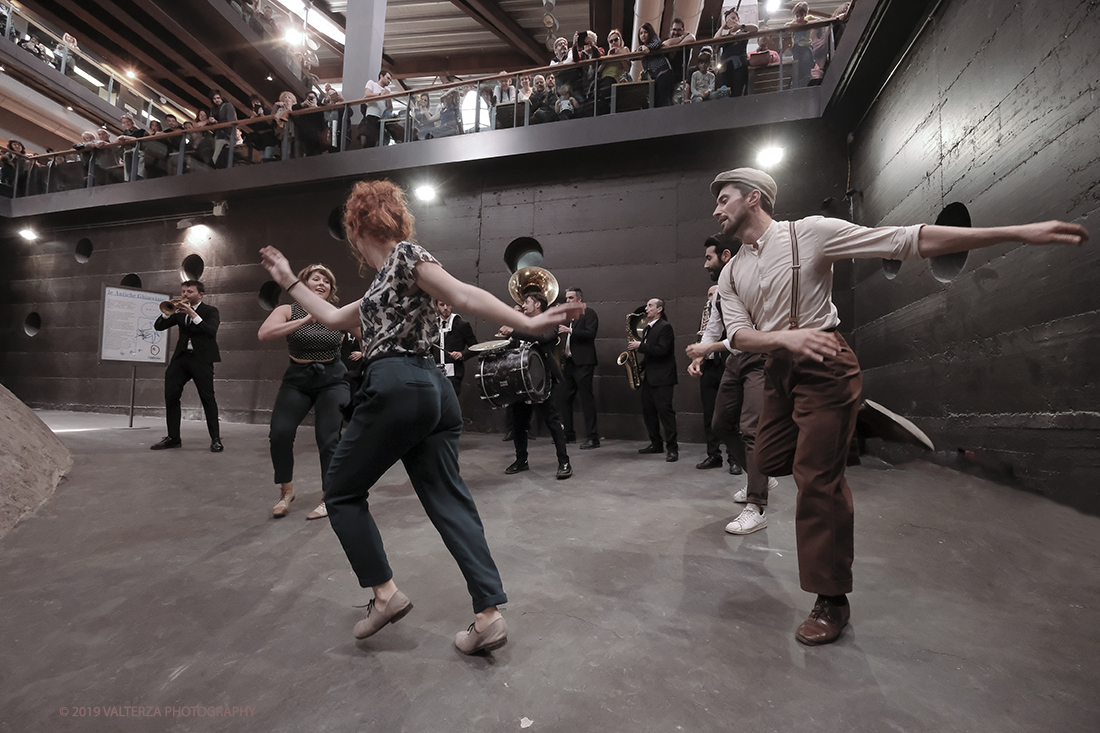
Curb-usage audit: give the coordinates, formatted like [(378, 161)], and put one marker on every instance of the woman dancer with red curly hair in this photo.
[(407, 409)]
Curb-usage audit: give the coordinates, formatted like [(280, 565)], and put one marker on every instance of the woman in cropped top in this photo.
[(406, 409), (314, 378)]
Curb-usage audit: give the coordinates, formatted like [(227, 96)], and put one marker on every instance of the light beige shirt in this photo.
[(755, 286)]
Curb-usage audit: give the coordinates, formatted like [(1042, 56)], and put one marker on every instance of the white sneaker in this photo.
[(749, 521), (742, 496)]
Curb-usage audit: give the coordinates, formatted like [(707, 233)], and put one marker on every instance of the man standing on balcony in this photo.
[(677, 58), (777, 301), (221, 111), (373, 110)]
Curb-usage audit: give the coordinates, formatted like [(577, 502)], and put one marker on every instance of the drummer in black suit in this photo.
[(658, 348), (458, 337), (534, 304)]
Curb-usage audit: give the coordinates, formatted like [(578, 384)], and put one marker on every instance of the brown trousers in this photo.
[(805, 428), (736, 414)]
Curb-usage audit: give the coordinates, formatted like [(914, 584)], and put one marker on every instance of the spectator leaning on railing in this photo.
[(130, 133), (611, 72), (734, 75), (656, 65), (221, 112), (802, 50)]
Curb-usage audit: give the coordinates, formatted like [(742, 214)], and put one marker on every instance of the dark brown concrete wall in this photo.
[(994, 108), (624, 223)]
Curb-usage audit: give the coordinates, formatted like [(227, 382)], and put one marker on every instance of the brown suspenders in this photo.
[(795, 268)]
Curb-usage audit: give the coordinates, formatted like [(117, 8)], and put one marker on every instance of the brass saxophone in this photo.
[(635, 326)]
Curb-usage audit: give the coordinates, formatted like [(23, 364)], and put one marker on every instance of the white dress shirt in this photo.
[(755, 286)]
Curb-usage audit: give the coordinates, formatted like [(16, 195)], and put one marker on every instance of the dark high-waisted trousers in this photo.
[(408, 410), (320, 385)]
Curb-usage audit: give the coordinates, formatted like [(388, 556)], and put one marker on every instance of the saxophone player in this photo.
[(658, 349)]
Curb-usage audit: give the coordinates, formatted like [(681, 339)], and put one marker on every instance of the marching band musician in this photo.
[(456, 338), (406, 410), (533, 305), (194, 358), (579, 351), (658, 346), (738, 397)]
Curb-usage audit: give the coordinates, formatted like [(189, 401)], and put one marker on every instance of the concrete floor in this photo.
[(160, 581)]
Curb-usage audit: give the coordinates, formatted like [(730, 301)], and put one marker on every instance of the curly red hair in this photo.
[(379, 210)]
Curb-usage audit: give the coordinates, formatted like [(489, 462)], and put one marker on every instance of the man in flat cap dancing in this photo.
[(781, 280)]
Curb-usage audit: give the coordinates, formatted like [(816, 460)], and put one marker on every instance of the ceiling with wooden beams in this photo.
[(185, 48), (182, 48)]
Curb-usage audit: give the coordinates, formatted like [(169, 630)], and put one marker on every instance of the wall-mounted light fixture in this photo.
[(28, 234), (424, 192), (770, 156)]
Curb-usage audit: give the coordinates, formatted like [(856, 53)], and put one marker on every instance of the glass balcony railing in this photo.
[(744, 64)]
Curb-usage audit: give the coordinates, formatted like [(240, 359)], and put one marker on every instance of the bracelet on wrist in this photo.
[(291, 286)]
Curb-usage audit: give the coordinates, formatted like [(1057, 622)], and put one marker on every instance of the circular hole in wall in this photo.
[(336, 224), (32, 324), (130, 281), (83, 250), (946, 268), (192, 268), (890, 268), (269, 295)]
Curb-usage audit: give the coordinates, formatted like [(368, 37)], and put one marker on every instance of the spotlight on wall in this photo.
[(28, 234), (221, 208), (198, 235), (183, 223), (769, 157), (130, 74), (424, 192)]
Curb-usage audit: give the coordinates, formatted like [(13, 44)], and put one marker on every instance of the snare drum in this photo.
[(505, 376)]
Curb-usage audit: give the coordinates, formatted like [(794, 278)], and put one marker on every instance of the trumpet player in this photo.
[(658, 347), (194, 358)]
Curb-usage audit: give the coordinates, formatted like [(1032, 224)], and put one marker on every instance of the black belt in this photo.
[(391, 355)]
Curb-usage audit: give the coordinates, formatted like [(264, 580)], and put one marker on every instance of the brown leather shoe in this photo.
[(493, 637), (395, 610), (825, 623)]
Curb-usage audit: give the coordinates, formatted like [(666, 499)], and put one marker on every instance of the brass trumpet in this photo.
[(175, 305)]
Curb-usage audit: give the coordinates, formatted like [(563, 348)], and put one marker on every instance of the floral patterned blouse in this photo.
[(391, 320)]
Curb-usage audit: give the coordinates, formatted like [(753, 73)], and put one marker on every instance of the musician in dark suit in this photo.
[(194, 358), (534, 304), (458, 337), (658, 349), (579, 350)]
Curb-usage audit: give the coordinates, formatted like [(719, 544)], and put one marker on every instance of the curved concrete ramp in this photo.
[(31, 464)]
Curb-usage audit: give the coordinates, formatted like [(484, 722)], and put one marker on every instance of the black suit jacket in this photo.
[(659, 349), (202, 336), (545, 344), (459, 338), (582, 342)]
